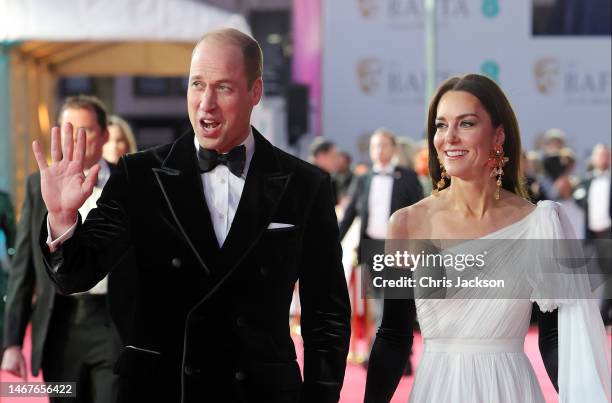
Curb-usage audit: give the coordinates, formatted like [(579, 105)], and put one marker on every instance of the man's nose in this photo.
[(208, 101)]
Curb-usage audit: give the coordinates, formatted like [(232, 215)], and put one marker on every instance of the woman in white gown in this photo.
[(473, 340)]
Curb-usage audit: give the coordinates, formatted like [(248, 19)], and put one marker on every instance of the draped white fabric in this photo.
[(474, 342), (112, 20)]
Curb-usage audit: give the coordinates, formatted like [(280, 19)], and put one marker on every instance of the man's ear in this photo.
[(256, 91)]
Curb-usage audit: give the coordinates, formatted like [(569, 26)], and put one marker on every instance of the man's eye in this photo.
[(196, 84)]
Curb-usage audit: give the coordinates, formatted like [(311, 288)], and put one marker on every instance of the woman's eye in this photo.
[(467, 123), (440, 125)]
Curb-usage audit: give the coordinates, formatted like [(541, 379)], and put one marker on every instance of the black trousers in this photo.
[(82, 346)]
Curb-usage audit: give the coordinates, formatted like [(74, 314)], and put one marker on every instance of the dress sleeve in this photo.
[(584, 351), (391, 350)]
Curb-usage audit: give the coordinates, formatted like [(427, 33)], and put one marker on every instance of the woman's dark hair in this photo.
[(500, 111)]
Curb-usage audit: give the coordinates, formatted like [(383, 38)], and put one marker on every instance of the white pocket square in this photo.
[(277, 225)]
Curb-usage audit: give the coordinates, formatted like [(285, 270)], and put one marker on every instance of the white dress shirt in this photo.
[(223, 189), (379, 202), (598, 200)]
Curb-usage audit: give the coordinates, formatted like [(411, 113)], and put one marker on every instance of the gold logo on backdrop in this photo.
[(369, 72), (368, 7), (546, 71)]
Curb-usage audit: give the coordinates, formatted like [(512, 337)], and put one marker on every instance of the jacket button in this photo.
[(240, 376), (264, 270), (176, 262), (240, 321)]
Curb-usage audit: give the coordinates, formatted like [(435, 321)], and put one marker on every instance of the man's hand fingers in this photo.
[(91, 180), (56, 151), (39, 155), (68, 142), (79, 151)]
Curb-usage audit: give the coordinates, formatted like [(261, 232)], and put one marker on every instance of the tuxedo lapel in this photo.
[(181, 185), (396, 192), (365, 200), (264, 187)]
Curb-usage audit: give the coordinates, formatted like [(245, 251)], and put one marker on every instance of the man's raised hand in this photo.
[(63, 185)]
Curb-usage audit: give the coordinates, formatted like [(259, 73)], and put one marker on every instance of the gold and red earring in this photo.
[(497, 161), (443, 176)]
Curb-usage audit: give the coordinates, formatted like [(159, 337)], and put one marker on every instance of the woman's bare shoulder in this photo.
[(412, 222), (517, 205)]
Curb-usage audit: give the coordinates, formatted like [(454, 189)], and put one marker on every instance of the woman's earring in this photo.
[(497, 161), (443, 176)]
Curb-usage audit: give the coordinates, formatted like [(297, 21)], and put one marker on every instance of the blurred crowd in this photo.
[(550, 172)]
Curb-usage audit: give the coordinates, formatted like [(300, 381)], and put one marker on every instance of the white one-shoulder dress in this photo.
[(473, 342)]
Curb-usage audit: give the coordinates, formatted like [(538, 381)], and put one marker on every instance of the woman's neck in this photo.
[(472, 198)]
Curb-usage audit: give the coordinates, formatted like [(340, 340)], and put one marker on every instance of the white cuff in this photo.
[(54, 244)]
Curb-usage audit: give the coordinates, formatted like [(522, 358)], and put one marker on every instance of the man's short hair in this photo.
[(251, 51), (387, 133), (86, 102), (320, 145)]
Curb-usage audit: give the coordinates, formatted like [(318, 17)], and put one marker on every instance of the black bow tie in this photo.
[(234, 160)]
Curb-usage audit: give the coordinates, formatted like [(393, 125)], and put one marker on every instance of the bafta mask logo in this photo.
[(369, 73), (546, 72), (368, 8)]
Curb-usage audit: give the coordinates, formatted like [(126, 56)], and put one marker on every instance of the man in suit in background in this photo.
[(375, 196), (383, 190), (323, 154), (7, 227), (222, 225), (73, 336)]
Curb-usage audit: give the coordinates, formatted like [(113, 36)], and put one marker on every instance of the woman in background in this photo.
[(120, 140)]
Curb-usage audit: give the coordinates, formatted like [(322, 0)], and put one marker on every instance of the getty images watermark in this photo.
[(485, 268), (411, 261)]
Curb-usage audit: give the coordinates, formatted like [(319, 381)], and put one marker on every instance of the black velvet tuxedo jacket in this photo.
[(406, 190), (211, 324), (28, 277)]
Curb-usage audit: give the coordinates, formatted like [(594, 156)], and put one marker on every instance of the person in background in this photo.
[(75, 338), (323, 154), (532, 169), (594, 193), (405, 153), (121, 140), (375, 196), (7, 226), (561, 167), (343, 176), (421, 167)]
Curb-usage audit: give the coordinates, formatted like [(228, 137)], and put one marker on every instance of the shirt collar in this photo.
[(249, 145), (103, 174), (388, 170)]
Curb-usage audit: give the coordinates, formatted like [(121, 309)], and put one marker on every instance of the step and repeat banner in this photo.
[(374, 66)]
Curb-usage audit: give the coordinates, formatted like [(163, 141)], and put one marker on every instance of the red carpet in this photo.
[(354, 381)]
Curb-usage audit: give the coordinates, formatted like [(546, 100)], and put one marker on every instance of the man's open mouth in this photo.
[(209, 124)]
